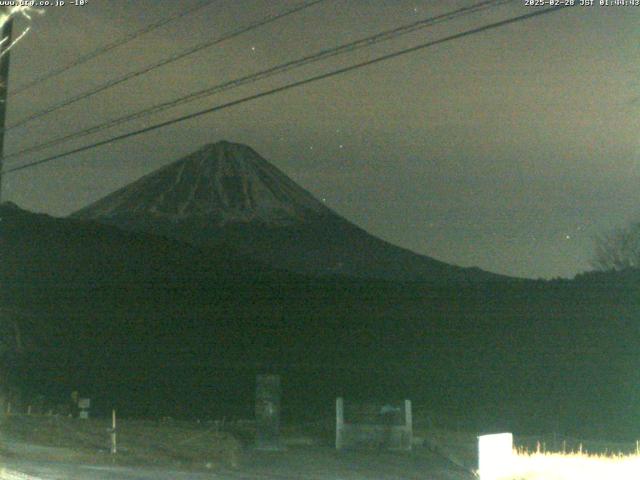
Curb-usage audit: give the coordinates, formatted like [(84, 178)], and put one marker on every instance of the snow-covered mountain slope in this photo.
[(222, 182), (227, 195)]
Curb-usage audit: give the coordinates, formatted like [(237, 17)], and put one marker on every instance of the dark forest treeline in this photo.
[(158, 328)]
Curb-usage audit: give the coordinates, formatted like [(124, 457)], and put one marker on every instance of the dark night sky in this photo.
[(508, 150)]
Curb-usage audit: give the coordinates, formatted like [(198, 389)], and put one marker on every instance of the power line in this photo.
[(287, 87), (321, 55), (110, 46), (190, 51)]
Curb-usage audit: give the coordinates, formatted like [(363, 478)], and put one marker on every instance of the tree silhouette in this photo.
[(618, 249)]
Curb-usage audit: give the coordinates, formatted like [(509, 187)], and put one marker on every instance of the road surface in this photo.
[(309, 463)]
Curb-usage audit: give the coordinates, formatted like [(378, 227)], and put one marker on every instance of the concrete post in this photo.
[(268, 412), (408, 423), (339, 423), (114, 438)]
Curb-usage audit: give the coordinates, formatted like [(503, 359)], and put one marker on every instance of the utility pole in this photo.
[(6, 36)]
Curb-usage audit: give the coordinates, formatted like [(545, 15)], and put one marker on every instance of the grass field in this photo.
[(169, 443), (203, 446)]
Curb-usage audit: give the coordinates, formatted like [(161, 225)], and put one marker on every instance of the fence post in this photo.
[(114, 444), (408, 422), (339, 422)]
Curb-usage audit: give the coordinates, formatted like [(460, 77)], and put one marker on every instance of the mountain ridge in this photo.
[(227, 194), (222, 181), (41, 249)]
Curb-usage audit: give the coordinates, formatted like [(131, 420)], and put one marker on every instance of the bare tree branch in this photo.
[(618, 249)]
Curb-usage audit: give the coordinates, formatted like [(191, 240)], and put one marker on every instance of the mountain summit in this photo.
[(226, 195), (222, 182)]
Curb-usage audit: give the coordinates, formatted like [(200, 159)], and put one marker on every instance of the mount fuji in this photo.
[(226, 195)]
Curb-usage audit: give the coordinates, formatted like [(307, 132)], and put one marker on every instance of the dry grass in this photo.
[(462, 448)]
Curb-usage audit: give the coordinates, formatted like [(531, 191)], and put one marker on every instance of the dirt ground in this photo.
[(327, 463), (64, 448)]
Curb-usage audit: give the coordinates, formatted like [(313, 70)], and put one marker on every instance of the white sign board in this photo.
[(495, 456)]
